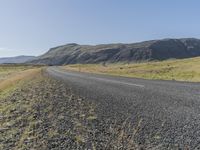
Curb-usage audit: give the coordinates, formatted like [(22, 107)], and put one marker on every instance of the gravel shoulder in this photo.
[(45, 114), (159, 114)]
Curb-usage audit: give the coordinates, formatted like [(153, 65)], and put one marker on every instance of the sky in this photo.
[(31, 27)]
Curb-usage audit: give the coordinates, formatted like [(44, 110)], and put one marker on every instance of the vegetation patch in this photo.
[(181, 70), (12, 76), (8, 70)]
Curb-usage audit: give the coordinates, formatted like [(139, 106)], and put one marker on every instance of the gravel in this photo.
[(162, 114), (45, 114)]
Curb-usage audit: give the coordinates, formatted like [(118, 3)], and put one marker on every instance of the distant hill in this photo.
[(111, 53), (17, 59)]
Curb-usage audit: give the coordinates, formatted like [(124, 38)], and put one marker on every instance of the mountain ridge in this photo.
[(16, 59), (163, 49)]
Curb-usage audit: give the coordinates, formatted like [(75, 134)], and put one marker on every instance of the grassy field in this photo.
[(10, 75), (181, 70), (6, 71)]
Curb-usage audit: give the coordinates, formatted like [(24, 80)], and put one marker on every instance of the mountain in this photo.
[(111, 53), (17, 59)]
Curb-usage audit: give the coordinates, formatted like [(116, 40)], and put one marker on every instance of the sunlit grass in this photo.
[(8, 70), (182, 70), (10, 75)]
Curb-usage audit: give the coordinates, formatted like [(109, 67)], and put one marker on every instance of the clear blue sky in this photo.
[(31, 27)]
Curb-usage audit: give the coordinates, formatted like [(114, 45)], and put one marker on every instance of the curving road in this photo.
[(168, 111)]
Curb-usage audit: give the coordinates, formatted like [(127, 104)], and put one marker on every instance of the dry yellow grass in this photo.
[(182, 70), (12, 80), (8, 70)]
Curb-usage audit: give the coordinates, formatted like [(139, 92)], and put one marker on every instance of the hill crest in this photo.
[(135, 52)]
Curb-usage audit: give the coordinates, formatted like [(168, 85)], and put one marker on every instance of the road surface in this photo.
[(168, 111)]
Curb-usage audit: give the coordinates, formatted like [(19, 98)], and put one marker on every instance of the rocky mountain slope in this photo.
[(111, 53), (18, 59)]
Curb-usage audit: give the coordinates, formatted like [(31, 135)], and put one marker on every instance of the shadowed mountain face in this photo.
[(18, 59), (111, 53)]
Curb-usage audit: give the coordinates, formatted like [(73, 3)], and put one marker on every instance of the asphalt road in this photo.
[(168, 112)]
